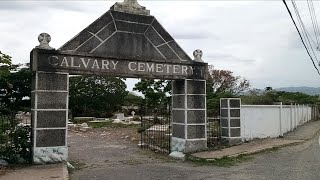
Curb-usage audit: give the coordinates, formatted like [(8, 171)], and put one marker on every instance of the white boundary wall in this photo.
[(263, 121)]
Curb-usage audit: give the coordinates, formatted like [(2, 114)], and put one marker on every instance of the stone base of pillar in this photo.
[(187, 146), (195, 146), (231, 141), (47, 155)]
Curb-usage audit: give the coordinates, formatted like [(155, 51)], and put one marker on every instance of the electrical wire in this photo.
[(314, 22), (300, 35), (304, 29)]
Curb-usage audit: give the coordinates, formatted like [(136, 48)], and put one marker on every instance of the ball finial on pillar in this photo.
[(44, 39), (198, 55)]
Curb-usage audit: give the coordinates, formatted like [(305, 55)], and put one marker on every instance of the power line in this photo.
[(314, 21), (304, 33), (304, 29), (300, 36)]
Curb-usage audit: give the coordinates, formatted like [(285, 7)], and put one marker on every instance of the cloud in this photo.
[(254, 39), (228, 58), (190, 35), (12, 6)]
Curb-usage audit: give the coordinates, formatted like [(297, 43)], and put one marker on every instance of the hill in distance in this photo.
[(303, 89)]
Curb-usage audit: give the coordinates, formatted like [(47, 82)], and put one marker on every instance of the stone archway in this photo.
[(126, 41)]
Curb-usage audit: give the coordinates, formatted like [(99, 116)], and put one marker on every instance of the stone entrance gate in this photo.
[(126, 41)]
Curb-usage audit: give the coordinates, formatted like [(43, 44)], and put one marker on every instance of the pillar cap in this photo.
[(44, 39), (198, 55), (130, 6)]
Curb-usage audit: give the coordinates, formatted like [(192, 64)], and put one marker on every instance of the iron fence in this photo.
[(213, 131), (15, 139), (156, 129)]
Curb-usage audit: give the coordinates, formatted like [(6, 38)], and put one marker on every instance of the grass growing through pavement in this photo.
[(77, 166), (223, 162)]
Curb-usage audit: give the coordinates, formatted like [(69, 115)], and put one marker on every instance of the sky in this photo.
[(254, 39)]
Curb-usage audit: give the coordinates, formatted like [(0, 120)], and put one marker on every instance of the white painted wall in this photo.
[(263, 121)]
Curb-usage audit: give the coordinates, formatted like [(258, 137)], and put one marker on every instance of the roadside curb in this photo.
[(256, 151), (65, 172), (266, 149)]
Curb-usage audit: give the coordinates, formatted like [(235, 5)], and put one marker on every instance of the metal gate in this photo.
[(213, 129), (155, 129)]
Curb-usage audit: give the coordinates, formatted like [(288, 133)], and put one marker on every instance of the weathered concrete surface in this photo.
[(108, 155), (40, 172), (292, 162), (247, 148), (302, 133), (46, 155), (88, 63)]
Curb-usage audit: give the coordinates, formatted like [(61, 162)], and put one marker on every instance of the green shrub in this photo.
[(136, 118), (80, 120), (15, 142)]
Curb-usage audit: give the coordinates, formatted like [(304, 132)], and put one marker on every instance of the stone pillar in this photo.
[(49, 109), (49, 117), (49, 97), (188, 116), (230, 120)]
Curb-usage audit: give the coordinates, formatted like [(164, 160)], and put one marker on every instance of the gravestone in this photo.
[(126, 41), (120, 116)]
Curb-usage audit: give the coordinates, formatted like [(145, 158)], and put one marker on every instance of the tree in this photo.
[(223, 81), (19, 90), (15, 86), (269, 88), (96, 96), (259, 97), (270, 97), (5, 64), (223, 84), (156, 92), (132, 100)]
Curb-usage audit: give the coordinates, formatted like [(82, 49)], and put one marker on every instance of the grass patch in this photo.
[(273, 149), (223, 162), (77, 166), (80, 120)]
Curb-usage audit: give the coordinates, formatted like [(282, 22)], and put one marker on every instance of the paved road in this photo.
[(295, 162)]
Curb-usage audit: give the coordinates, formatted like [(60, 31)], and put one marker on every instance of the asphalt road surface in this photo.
[(119, 158)]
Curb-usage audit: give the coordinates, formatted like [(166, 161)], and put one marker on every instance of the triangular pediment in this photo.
[(127, 36)]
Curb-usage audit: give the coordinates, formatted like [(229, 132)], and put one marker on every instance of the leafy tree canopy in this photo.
[(5, 64), (270, 97), (223, 84), (15, 86), (133, 100), (156, 92), (96, 96), (223, 81)]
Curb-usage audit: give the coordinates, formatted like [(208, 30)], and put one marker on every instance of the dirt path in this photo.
[(107, 146)]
